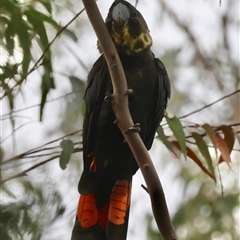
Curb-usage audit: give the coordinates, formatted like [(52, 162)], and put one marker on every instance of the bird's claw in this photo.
[(129, 92), (108, 96), (134, 128)]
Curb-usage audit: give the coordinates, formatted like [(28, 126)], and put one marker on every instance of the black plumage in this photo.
[(107, 157)]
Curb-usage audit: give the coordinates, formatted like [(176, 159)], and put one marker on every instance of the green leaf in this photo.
[(22, 30), (47, 84), (163, 138), (10, 96), (42, 17), (211, 134), (70, 34), (47, 5), (68, 147), (177, 129), (202, 146), (78, 86), (195, 158), (38, 27), (9, 35)]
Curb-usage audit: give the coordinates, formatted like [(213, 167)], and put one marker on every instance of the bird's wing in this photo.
[(162, 93), (94, 96)]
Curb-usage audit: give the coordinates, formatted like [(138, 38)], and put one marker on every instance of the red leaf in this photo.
[(229, 138), (195, 158), (223, 147), (176, 151), (211, 134)]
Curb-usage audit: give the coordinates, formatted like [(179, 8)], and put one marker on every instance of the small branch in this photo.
[(24, 172), (39, 149), (199, 53), (210, 104), (145, 188), (120, 107), (14, 130), (7, 115)]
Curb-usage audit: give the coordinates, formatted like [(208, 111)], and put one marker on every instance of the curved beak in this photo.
[(120, 13)]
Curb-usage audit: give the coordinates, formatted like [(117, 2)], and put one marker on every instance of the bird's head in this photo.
[(128, 28)]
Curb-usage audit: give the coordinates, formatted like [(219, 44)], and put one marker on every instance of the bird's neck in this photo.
[(139, 59)]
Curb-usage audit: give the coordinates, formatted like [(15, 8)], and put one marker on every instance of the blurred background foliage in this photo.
[(47, 49)]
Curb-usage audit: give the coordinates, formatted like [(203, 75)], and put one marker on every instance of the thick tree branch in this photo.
[(124, 122)]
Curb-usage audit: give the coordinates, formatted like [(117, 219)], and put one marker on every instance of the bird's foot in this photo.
[(129, 92), (134, 128), (108, 96)]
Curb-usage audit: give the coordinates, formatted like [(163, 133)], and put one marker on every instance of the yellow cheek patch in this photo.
[(117, 38), (132, 44)]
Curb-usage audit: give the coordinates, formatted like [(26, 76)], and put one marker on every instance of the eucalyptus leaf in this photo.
[(203, 148), (38, 27), (47, 5), (177, 129), (43, 17), (47, 84), (70, 34), (9, 36), (229, 136), (67, 150), (163, 138), (211, 134)]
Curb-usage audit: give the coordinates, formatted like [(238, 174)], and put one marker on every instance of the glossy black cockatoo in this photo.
[(105, 184)]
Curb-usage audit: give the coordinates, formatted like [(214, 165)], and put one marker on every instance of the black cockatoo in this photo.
[(105, 184)]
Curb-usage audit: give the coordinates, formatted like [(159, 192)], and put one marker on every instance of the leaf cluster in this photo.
[(204, 215), (220, 138), (27, 215), (24, 26)]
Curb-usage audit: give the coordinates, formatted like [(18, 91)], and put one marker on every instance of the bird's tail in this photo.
[(108, 223)]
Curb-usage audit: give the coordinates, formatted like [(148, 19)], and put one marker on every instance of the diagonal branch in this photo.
[(24, 172), (120, 107), (8, 115), (210, 104), (39, 148), (200, 55)]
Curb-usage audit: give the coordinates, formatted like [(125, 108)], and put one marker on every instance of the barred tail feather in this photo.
[(107, 223)]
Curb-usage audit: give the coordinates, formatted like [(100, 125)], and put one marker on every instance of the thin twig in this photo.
[(210, 104), (39, 148), (37, 105), (210, 146), (23, 173), (145, 188), (199, 53), (14, 130), (217, 129)]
